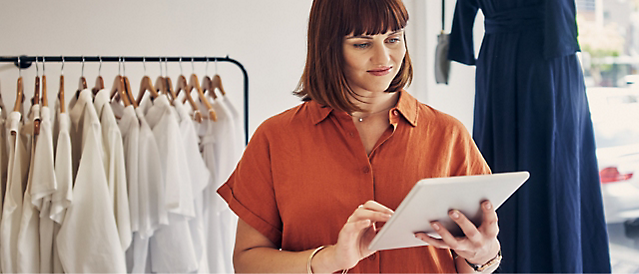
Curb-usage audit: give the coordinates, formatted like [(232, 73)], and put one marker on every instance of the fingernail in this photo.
[(488, 205), (455, 215), (436, 226)]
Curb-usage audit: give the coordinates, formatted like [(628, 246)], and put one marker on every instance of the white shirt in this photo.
[(88, 240), (62, 197), (219, 153), (12, 209), (152, 209), (4, 157), (200, 177), (44, 184), (29, 237), (115, 167), (130, 129), (172, 247)]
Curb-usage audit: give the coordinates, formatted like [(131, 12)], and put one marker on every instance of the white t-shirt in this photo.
[(62, 197), (12, 209), (43, 185), (219, 153), (29, 236), (88, 240), (114, 165), (172, 247), (200, 177)]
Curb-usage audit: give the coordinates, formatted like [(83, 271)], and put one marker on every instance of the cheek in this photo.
[(398, 55)]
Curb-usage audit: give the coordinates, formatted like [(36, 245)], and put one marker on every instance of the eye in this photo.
[(394, 40), (361, 46)]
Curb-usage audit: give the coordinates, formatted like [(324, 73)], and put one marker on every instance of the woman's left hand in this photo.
[(479, 245)]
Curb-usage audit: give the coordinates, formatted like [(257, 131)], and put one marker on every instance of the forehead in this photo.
[(372, 17)]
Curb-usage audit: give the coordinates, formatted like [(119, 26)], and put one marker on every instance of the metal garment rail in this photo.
[(25, 61)]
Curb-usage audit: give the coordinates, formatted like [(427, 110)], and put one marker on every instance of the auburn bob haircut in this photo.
[(330, 22)]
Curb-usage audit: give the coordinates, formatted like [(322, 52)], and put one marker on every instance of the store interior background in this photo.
[(267, 37)]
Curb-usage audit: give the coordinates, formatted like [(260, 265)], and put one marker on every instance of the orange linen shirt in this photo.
[(306, 170)]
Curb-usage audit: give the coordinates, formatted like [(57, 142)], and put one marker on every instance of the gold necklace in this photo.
[(361, 119)]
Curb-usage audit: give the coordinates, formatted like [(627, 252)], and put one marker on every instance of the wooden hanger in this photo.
[(129, 92), (182, 85), (45, 99), (146, 85), (119, 89), (82, 83), (207, 87), (36, 91), (20, 90), (99, 82), (194, 83), (217, 83), (2, 108), (36, 100), (61, 90), (168, 84)]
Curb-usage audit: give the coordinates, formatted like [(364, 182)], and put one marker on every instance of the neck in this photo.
[(372, 102)]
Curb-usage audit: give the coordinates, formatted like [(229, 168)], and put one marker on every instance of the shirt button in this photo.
[(395, 112), (373, 256), (366, 170), (351, 134)]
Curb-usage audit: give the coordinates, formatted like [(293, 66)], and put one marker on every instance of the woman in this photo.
[(315, 179)]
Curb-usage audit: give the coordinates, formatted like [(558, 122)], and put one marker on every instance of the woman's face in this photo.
[(372, 61)]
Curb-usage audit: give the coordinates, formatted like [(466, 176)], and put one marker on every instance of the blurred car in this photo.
[(615, 117)]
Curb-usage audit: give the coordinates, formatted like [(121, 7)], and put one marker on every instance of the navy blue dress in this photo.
[(531, 113)]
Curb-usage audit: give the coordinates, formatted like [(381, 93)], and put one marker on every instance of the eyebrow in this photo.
[(370, 37)]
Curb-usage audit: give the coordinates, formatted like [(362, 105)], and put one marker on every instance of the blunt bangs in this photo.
[(372, 17)]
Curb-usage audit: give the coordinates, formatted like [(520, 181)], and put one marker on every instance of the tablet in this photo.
[(431, 199)]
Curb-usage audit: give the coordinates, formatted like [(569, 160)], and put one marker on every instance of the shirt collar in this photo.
[(406, 105)]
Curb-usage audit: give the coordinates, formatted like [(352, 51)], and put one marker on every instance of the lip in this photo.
[(380, 71)]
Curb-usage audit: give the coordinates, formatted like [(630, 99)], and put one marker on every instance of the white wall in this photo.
[(457, 98), (268, 37)]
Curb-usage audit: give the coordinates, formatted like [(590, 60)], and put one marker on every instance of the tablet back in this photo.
[(431, 199)]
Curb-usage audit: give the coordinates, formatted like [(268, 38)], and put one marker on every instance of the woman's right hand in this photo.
[(358, 232)]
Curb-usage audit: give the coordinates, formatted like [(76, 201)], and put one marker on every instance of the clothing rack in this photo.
[(24, 62)]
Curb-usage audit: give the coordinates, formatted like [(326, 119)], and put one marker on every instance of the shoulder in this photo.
[(296, 119), (433, 119)]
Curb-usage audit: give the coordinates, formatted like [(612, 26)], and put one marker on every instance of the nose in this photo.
[(381, 55)]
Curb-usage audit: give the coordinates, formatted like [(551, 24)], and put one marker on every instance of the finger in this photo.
[(356, 227), (469, 229), (366, 214), (489, 225), (375, 206), (447, 237), (438, 243)]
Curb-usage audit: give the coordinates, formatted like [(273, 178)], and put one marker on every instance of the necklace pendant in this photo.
[(360, 119)]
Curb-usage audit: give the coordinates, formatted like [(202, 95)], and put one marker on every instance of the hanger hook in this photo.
[(215, 65), (124, 66), (144, 63), (193, 65), (62, 68), (206, 72), (166, 66), (160, 63), (36, 65), (181, 72), (19, 66), (100, 67), (119, 65), (82, 65)]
